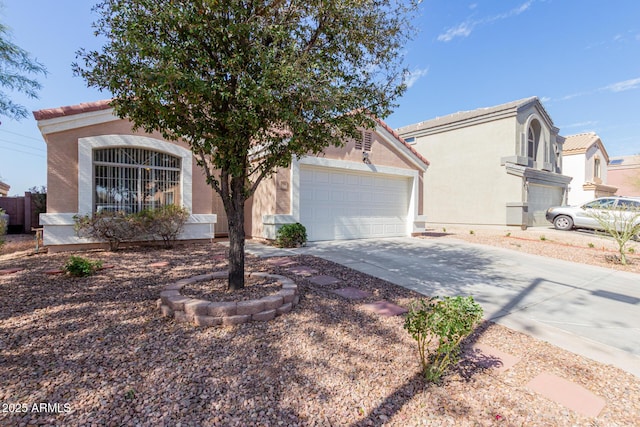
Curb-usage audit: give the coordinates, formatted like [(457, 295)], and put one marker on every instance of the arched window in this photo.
[(132, 179), (533, 139)]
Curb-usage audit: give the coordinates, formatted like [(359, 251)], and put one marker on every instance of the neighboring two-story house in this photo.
[(500, 165), (585, 159)]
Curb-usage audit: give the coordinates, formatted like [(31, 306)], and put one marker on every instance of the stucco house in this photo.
[(624, 173), (585, 159), (500, 165), (4, 189), (371, 187)]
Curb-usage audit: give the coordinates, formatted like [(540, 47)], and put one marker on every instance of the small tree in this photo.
[(15, 64), (250, 85), (623, 224), (39, 199), (443, 323)]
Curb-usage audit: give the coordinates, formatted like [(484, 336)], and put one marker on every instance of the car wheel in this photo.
[(563, 222)]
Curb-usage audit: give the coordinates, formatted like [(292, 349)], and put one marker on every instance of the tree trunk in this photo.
[(235, 217)]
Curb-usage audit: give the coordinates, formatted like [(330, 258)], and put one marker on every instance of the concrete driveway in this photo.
[(588, 310)]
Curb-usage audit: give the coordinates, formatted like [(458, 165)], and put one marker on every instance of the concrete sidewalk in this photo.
[(591, 311)]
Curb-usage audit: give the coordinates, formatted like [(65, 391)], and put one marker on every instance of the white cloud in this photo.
[(590, 124), (574, 95), (623, 86), (523, 8), (462, 30), (413, 76), (465, 28)]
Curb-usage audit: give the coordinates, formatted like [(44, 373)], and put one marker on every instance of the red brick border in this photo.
[(208, 313)]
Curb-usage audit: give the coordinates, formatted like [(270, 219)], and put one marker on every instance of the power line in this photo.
[(22, 145), (20, 151), (24, 136)]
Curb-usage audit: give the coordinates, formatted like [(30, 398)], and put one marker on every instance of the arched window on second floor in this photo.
[(533, 139)]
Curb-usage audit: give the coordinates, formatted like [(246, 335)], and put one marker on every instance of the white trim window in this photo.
[(131, 179), (533, 139), (596, 168), (87, 197)]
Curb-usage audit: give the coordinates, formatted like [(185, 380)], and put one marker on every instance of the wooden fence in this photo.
[(23, 212)]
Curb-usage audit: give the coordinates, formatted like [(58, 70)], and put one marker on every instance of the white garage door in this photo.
[(541, 198), (339, 204)]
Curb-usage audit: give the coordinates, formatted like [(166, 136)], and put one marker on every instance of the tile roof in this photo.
[(579, 143), (632, 160), (85, 107), (461, 116), (4, 188), (399, 138)]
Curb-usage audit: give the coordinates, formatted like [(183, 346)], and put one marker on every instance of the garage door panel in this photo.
[(346, 205), (541, 198)]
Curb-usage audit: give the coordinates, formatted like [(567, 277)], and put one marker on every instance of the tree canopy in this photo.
[(250, 84), (15, 65)]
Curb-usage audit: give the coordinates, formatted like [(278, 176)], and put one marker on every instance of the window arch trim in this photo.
[(85, 164), (541, 153)]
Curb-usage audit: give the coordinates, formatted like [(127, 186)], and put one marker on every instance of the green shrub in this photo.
[(81, 267), (542, 237), (472, 232), (291, 235), (444, 323)]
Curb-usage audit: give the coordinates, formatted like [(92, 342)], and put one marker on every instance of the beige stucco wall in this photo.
[(62, 167), (383, 154), (466, 183), (264, 202), (273, 196), (626, 177)]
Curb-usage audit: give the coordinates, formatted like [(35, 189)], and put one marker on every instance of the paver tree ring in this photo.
[(212, 313)]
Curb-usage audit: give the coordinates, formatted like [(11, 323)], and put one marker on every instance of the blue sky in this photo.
[(580, 57)]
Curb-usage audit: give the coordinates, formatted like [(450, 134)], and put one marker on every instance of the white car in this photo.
[(618, 210)]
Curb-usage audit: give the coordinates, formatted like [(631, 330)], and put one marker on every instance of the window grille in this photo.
[(133, 179)]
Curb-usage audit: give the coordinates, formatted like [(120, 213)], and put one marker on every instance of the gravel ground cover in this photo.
[(96, 351), (577, 246), (216, 289)]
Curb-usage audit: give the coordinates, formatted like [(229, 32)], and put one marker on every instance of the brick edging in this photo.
[(207, 313)]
